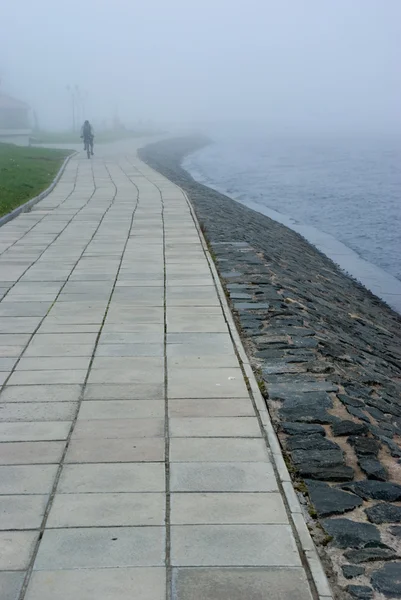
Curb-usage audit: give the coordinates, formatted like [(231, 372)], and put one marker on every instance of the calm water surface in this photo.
[(349, 188)]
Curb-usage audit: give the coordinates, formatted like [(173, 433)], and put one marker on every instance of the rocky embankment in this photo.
[(328, 357)]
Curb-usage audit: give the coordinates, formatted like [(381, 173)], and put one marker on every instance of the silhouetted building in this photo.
[(15, 126)]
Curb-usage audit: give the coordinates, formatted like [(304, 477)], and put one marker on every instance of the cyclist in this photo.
[(88, 135)]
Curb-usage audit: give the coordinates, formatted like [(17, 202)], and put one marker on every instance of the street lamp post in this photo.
[(72, 99), (75, 104)]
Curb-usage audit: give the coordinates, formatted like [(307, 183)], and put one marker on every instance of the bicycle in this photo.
[(88, 146)]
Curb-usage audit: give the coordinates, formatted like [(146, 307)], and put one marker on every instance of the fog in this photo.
[(288, 64)]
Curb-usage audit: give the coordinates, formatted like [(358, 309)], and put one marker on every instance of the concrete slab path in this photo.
[(133, 461)]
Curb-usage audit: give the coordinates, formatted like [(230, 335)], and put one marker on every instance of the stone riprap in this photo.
[(133, 461), (327, 353)]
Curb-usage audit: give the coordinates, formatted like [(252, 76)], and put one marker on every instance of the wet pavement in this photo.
[(134, 461)]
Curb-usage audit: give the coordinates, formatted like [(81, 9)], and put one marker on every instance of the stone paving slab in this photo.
[(133, 461), (25, 453), (102, 584), (11, 584), (222, 477), (210, 407), (122, 409), (233, 545), (221, 508), (101, 547), (237, 584), (218, 450), (98, 510), (116, 450), (22, 512)]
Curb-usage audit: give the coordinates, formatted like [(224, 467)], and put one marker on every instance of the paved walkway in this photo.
[(133, 463)]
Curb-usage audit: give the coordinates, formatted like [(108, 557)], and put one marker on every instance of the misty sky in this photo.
[(319, 64)]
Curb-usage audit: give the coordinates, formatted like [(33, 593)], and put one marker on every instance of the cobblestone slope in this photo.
[(328, 357)]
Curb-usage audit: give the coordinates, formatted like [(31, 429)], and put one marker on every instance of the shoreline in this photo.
[(326, 353), (381, 283)]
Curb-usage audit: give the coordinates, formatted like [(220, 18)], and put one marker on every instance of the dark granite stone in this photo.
[(239, 296), (231, 274), (281, 366), (311, 442), (269, 353), (361, 592), (260, 280), (302, 385), (357, 391), (384, 513), (349, 401), (390, 428), (318, 458), (377, 490), (306, 415), (376, 414), (287, 322), (370, 554), (329, 473), (251, 305), (295, 356), (271, 296), (387, 580), (250, 260), (356, 412), (350, 571), (387, 431), (384, 406), (297, 331), (319, 367), (251, 329), (394, 448), (238, 244), (302, 428), (264, 342), (350, 534), (308, 408), (293, 384), (364, 446), (252, 318), (396, 531), (253, 324), (348, 428), (330, 501), (305, 459), (304, 342), (373, 468), (293, 398), (237, 286)]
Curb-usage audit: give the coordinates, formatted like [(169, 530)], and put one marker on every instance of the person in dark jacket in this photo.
[(88, 135)]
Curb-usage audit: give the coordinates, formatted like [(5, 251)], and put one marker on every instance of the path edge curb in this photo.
[(306, 542), (26, 207)]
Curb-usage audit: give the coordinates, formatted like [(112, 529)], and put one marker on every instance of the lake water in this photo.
[(344, 195)]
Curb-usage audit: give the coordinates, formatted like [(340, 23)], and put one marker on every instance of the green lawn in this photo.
[(25, 172)]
